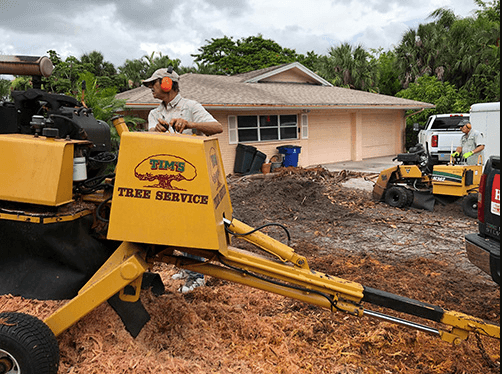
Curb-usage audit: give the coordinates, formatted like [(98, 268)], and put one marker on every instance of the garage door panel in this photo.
[(332, 138), (379, 135)]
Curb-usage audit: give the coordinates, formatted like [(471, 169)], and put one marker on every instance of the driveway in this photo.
[(369, 165)]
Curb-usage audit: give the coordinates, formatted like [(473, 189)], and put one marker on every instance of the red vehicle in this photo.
[(483, 247)]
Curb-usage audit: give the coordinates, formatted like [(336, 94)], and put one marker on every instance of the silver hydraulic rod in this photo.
[(402, 322)]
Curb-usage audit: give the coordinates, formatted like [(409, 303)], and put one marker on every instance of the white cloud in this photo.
[(130, 29)]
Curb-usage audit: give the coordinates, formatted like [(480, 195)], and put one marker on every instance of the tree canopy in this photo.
[(350, 67), (228, 56), (464, 52)]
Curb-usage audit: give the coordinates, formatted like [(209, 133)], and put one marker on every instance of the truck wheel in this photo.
[(470, 205), (396, 196), (27, 345)]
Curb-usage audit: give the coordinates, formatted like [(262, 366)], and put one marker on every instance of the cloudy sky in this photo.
[(130, 29)]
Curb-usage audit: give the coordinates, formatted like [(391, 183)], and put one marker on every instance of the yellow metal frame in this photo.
[(252, 270), (125, 267), (44, 219), (20, 217), (287, 274)]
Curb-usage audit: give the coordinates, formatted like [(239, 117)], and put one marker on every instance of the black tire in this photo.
[(396, 196), (409, 194), (27, 345), (470, 205)]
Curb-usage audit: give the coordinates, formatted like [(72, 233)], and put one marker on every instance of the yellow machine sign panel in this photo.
[(170, 189), (36, 170), (410, 171), (455, 180)]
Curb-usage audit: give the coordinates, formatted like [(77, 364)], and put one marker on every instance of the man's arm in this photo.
[(479, 148), (207, 128), (153, 121)]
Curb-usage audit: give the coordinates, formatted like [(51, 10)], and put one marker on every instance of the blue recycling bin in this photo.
[(290, 153)]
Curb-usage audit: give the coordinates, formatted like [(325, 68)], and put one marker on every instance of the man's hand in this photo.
[(467, 154), (179, 124), (161, 126), (455, 154)]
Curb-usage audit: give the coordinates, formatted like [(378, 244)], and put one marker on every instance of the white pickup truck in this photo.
[(440, 135)]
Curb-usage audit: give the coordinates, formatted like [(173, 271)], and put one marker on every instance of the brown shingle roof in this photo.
[(233, 91), (256, 73)]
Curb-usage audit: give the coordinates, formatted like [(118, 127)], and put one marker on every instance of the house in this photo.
[(291, 105)]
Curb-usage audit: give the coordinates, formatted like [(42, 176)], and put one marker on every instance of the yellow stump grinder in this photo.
[(70, 231), (418, 184)]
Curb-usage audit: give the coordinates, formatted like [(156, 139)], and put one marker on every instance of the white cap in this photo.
[(161, 73)]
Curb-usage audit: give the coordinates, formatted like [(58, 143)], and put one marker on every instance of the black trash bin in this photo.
[(258, 160), (243, 158)]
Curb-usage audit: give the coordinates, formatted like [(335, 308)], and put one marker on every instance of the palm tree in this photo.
[(135, 71), (157, 62), (138, 69), (98, 66), (349, 67), (424, 51), (477, 67)]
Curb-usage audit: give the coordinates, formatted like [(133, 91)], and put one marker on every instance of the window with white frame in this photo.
[(258, 128)]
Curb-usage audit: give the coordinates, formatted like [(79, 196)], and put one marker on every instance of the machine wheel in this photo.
[(27, 345), (470, 205), (410, 195), (396, 196)]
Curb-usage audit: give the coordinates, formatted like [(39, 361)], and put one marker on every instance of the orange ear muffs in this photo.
[(469, 126), (166, 84)]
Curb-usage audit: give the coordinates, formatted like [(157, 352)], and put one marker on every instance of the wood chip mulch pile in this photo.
[(227, 328)]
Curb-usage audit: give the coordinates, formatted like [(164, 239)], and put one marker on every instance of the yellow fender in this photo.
[(399, 172), (382, 182)]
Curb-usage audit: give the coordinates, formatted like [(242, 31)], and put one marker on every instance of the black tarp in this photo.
[(53, 261), (49, 261)]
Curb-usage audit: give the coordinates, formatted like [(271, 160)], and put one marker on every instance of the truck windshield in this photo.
[(448, 123)]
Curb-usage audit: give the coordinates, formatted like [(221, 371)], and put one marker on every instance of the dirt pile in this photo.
[(228, 328)]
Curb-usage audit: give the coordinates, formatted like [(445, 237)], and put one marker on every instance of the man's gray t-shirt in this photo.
[(469, 142)]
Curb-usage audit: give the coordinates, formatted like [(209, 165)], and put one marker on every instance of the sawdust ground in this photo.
[(228, 328)]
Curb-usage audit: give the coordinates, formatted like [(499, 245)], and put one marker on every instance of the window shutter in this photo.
[(233, 137), (305, 126)]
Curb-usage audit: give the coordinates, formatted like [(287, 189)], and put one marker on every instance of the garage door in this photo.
[(380, 135), (329, 138)]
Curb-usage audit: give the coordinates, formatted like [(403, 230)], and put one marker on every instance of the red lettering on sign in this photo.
[(495, 203)]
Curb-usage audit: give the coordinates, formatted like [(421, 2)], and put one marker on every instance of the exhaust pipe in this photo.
[(26, 65)]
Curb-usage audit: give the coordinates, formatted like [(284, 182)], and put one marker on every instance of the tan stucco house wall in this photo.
[(333, 124)]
